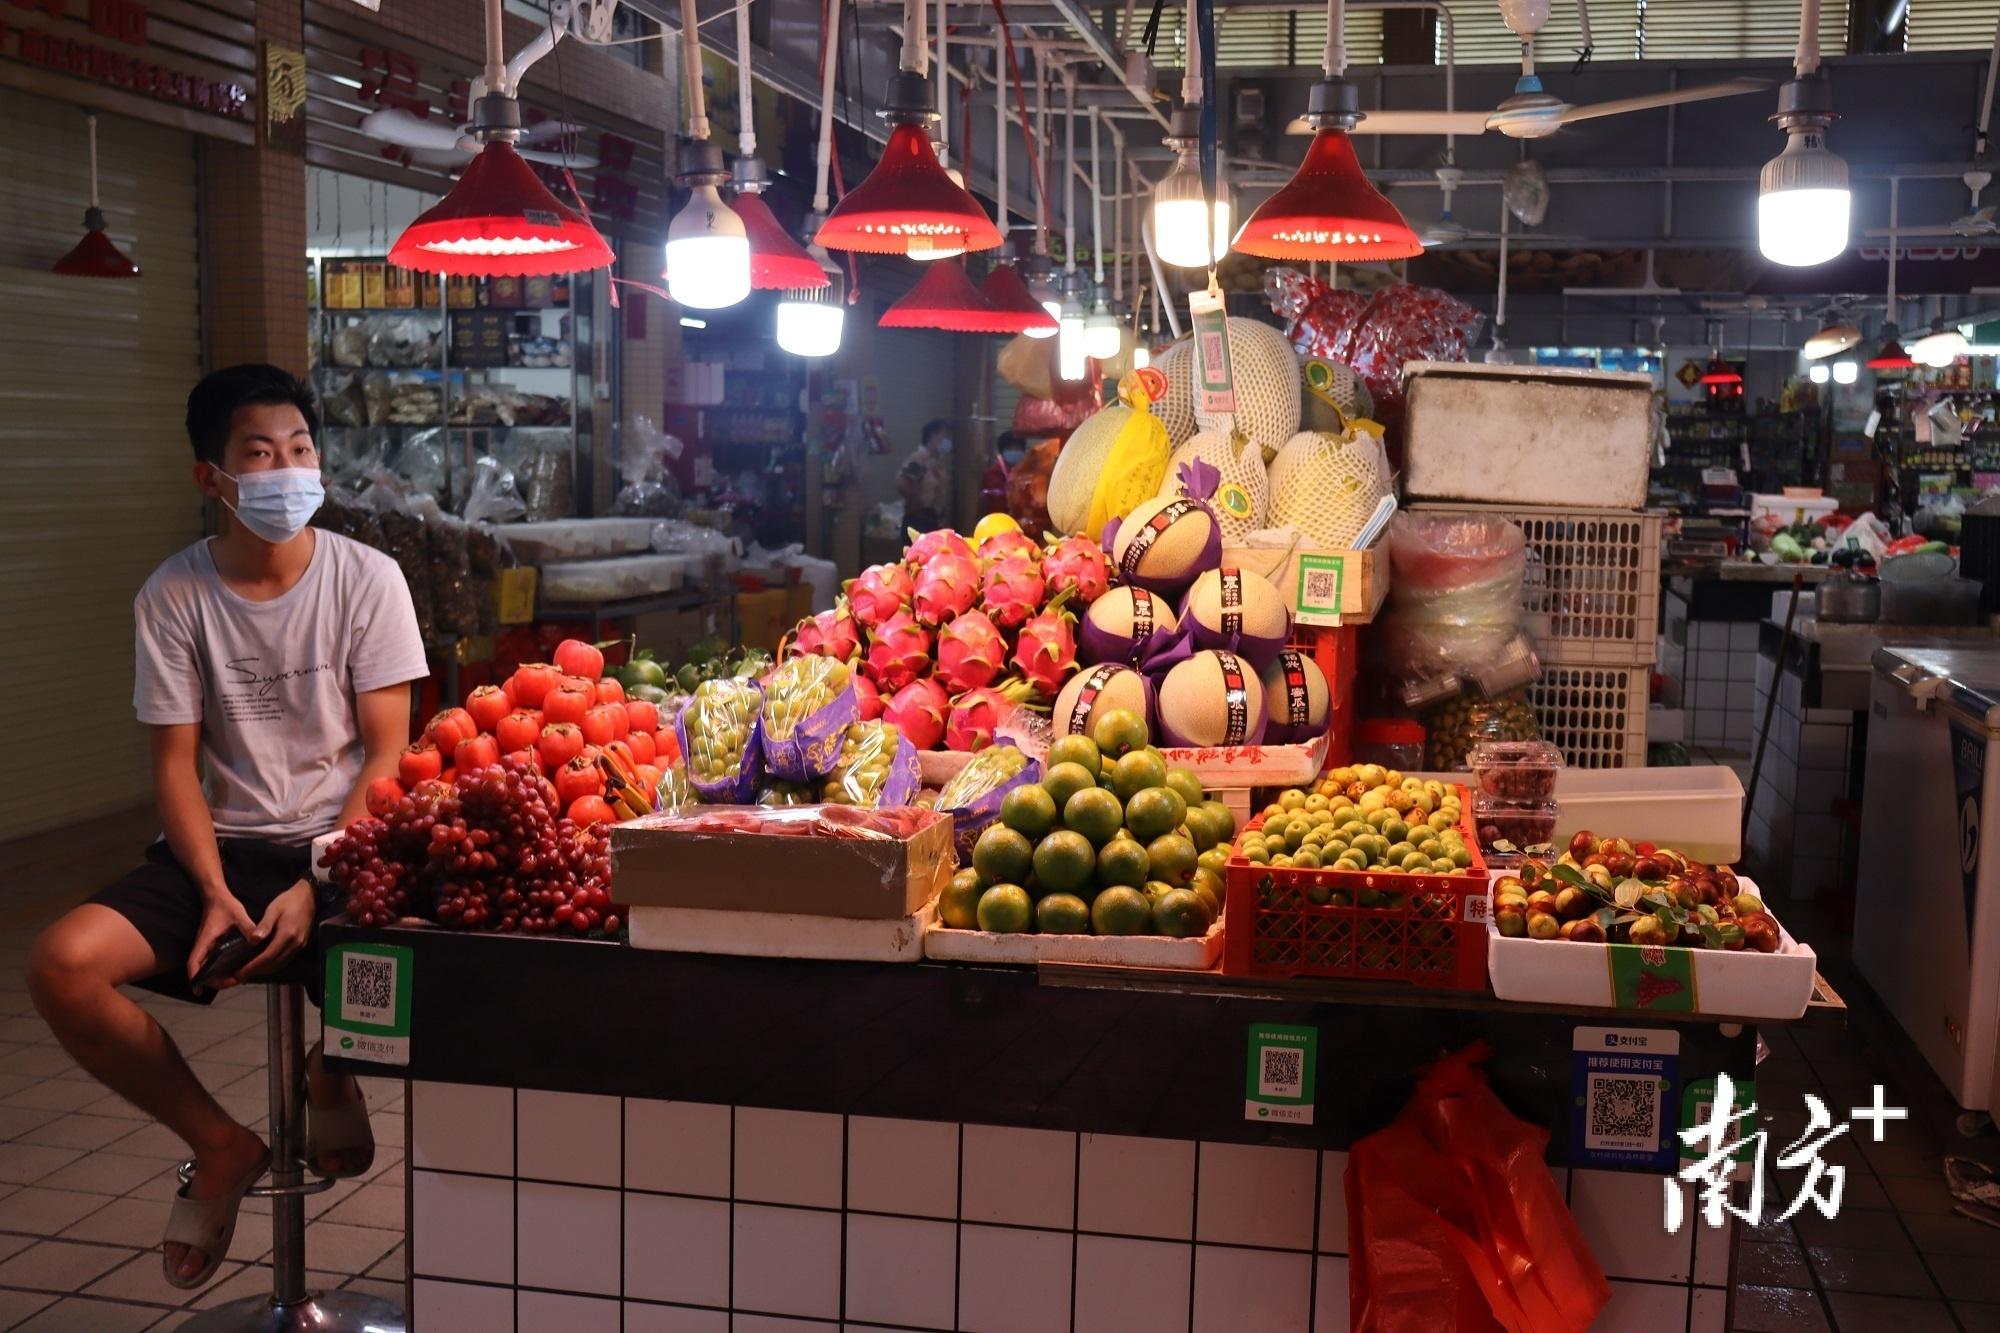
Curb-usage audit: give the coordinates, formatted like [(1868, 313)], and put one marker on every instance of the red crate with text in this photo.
[(1336, 651), (1368, 925)]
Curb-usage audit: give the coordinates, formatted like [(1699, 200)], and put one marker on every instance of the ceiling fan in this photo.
[(1532, 112), (1976, 222), (434, 144)]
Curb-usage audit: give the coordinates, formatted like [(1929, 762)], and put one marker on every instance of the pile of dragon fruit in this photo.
[(950, 639)]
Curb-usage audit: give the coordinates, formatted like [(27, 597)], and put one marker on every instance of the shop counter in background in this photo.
[(943, 1146)]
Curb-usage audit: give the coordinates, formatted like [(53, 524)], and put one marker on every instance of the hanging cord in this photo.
[(746, 125), (1044, 141), (943, 86), (691, 71), (1333, 61), (829, 58), (90, 124), (999, 134), (1152, 34), (1806, 60), (916, 38), (1118, 217), (1028, 141), (1096, 191), (1069, 173), (1201, 57), (495, 75)]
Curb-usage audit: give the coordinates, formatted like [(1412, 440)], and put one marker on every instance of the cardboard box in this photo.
[(761, 617), (1321, 587), (659, 861)]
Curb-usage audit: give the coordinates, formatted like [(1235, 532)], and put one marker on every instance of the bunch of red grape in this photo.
[(487, 851)]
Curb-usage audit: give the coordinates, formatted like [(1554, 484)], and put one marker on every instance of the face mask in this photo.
[(278, 503)]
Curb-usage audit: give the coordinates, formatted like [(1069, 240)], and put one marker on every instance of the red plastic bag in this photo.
[(1454, 1221)]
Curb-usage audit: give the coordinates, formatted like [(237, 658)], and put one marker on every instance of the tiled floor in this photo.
[(85, 1178)]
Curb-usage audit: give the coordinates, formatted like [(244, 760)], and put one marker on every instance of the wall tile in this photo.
[(1332, 1234), (902, 1166), (1253, 1195), (570, 1314), (1013, 1281), (567, 1237), (678, 1147), (787, 1261), (1330, 1304), (460, 1127), (1136, 1186), (642, 1318), (1642, 1307), (789, 1157), (1024, 1177), (1236, 1290), (1131, 1284), (567, 1136), (436, 1304), (901, 1271), (677, 1249), (1621, 1217), (462, 1227)]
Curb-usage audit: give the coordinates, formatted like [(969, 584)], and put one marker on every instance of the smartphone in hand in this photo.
[(231, 952)]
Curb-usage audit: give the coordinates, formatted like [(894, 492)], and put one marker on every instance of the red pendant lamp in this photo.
[(1719, 372), (1007, 292), (944, 298), (777, 262), (908, 205), (95, 256), (499, 219), (1892, 356), (1329, 210)]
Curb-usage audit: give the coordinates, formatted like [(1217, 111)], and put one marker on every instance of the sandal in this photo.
[(206, 1225), (340, 1129)]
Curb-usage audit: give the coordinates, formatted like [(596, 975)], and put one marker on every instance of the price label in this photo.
[(1215, 383)]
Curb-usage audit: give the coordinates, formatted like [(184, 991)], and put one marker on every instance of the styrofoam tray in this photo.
[(1739, 985), (779, 934), (576, 538), (1251, 765), (981, 946)]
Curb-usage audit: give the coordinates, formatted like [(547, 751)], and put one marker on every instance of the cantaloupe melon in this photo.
[(1242, 496), (1326, 486), (1096, 690), (1213, 698), (1079, 464), (1176, 410), (1240, 611), (1296, 697), (1127, 624), (1265, 372), (1164, 542)]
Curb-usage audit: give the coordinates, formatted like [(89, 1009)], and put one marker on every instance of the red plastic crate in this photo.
[(1335, 650), (1435, 937)]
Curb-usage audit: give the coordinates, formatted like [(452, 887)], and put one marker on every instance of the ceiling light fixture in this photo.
[(1845, 372), (1803, 199), (1831, 340), (1004, 289), (1329, 209), (1103, 335), (95, 256), (499, 219), (777, 262), (708, 247), (1189, 229), (945, 299), (1072, 357), (908, 205), (1891, 356), (1940, 347), (1819, 372), (810, 320)]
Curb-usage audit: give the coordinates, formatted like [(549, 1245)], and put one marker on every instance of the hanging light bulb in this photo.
[(1819, 372), (1802, 195), (1141, 357), (1938, 348), (1071, 354), (1831, 340), (708, 248), (1845, 372), (1103, 337), (1042, 288), (810, 319), (95, 256), (1188, 231), (1008, 294)]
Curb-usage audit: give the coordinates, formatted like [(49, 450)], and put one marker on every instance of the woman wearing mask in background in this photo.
[(1007, 451), (925, 482)]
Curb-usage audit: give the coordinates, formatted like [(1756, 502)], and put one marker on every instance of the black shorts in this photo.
[(160, 899)]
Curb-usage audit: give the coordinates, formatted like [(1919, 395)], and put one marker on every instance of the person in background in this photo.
[(924, 483), (1007, 451), (273, 673)]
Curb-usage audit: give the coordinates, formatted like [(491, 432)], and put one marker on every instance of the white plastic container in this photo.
[(1742, 984), (1697, 810), (780, 934), (582, 582), (981, 946), (576, 538), (1527, 434), (1790, 509)]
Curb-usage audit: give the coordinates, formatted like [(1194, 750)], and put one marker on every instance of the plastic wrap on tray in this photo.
[(718, 730), (809, 702), (877, 765), (973, 798)]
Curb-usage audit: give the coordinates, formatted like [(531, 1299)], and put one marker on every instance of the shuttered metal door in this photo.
[(94, 485)]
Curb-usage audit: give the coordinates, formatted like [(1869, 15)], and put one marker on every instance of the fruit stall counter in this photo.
[(600, 1132)]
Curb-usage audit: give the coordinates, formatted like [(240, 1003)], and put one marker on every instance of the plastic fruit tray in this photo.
[(1427, 930)]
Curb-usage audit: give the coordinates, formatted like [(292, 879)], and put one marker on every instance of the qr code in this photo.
[(1284, 1072), (368, 988), (1322, 587), (1624, 1112)]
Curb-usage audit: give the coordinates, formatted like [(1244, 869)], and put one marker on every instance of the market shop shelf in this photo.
[(1594, 714), (1592, 588)]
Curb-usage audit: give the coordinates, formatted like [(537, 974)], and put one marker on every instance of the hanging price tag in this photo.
[(1214, 384)]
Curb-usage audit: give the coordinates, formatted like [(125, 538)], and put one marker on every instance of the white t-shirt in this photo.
[(273, 683)]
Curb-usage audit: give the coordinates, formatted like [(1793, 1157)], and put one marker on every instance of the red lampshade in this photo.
[(1892, 356), (95, 256), (1328, 210), (944, 298), (1719, 372), (777, 262), (908, 203), (500, 220), (1007, 292)]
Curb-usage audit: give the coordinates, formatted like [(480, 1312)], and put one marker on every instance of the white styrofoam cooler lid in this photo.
[(1610, 378)]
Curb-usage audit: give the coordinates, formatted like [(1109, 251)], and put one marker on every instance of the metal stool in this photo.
[(290, 1308)]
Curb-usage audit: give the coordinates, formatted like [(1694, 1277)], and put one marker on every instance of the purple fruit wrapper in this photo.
[(1171, 589), (812, 749), (969, 821), (1289, 733), (1257, 649), (1061, 726), (905, 777), (741, 790)]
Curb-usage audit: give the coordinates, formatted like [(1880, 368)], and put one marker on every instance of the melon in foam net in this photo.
[(1241, 496), (1176, 410), (1327, 485), (1265, 373)]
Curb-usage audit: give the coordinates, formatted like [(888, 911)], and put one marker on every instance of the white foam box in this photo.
[(779, 934), (1744, 984), (1526, 435), (982, 946), (1695, 809)]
